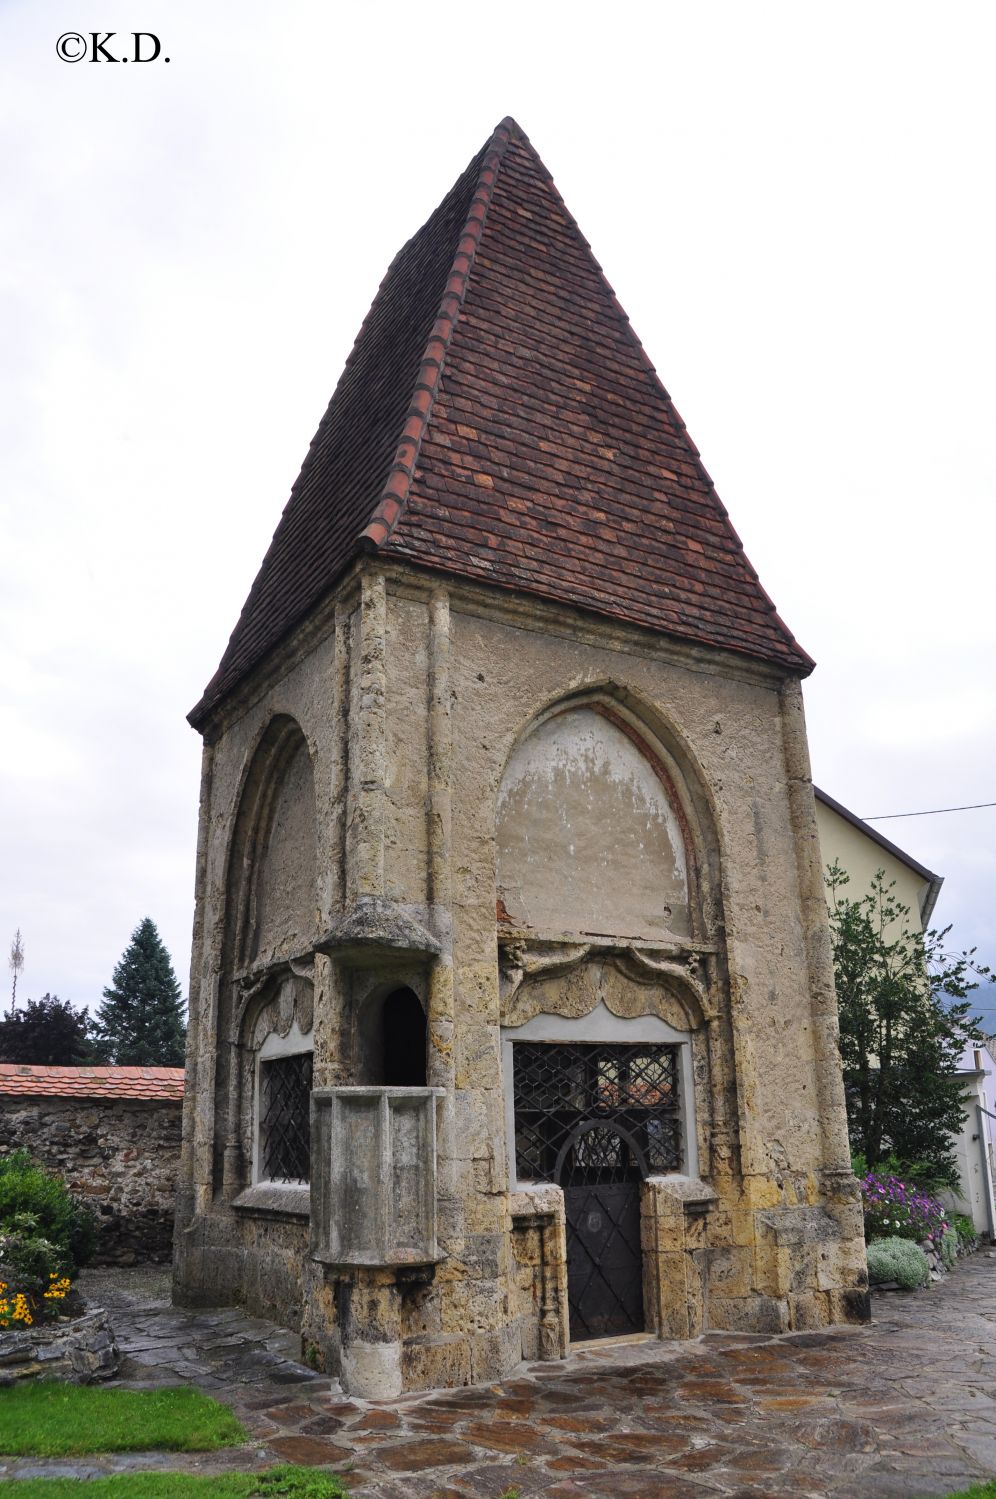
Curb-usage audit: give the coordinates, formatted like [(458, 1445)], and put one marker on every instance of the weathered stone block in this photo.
[(851, 1305), (372, 1370), (749, 1313), (429, 1363), (730, 1271), (494, 1355), (809, 1311)]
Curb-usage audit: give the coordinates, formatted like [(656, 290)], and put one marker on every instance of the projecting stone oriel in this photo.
[(512, 1017)]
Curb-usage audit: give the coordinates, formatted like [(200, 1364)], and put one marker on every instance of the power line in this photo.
[(932, 812)]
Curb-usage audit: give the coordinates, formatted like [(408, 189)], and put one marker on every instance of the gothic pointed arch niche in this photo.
[(272, 879), (609, 891), (600, 830), (271, 922)]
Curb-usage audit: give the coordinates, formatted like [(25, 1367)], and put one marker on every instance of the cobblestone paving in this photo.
[(905, 1407)]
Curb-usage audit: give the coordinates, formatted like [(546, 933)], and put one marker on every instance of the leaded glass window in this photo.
[(617, 1103), (285, 1118)]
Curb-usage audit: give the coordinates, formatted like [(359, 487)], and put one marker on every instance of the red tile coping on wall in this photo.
[(499, 420), (156, 1083)]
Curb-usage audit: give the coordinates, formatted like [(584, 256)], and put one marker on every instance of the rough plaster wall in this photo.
[(587, 839), (285, 880), (503, 678), (304, 695)]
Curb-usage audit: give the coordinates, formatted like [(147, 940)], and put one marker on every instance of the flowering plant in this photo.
[(898, 1209), (45, 1235), (28, 1306), (33, 1281)]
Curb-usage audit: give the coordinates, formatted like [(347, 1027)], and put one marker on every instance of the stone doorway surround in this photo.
[(673, 1208)]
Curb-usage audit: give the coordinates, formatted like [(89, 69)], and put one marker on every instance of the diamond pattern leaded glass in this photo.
[(610, 1110), (285, 1117)]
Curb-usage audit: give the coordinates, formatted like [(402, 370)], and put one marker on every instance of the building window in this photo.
[(392, 1041), (603, 1102), (404, 1040), (285, 1118)]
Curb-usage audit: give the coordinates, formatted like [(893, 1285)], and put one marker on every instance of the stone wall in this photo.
[(121, 1156)]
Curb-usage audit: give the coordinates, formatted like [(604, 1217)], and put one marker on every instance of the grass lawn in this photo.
[(51, 1419), (295, 1483), (980, 1491)]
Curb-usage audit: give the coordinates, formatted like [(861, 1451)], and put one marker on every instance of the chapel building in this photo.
[(512, 1018)]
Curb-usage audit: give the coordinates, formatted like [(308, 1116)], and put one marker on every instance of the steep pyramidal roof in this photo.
[(499, 420)]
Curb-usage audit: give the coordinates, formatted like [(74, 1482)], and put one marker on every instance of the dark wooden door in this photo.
[(601, 1183)]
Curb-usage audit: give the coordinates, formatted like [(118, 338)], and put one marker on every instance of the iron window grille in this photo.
[(610, 1112), (285, 1118)]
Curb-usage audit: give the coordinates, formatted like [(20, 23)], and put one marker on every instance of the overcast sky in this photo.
[(794, 203)]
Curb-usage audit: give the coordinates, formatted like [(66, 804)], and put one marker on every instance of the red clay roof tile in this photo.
[(156, 1083), (499, 420)]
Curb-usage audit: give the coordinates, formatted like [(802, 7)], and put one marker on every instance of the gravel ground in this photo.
[(127, 1286)]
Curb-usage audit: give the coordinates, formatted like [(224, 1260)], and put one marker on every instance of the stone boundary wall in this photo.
[(121, 1155)]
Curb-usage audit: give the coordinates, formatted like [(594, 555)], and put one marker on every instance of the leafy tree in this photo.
[(46, 1032), (140, 1023), (904, 1022)]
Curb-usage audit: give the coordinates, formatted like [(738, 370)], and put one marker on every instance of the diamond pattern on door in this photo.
[(604, 1257)]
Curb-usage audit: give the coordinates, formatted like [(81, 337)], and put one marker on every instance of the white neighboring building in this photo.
[(861, 850), (975, 1148)]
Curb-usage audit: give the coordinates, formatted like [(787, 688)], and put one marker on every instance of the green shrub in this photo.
[(27, 1189), (949, 1248), (965, 1229), (45, 1235), (899, 1260), (24, 1251)]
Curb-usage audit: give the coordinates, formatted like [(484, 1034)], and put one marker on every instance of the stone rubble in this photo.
[(82, 1350)]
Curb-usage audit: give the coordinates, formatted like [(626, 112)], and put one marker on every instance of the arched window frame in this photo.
[(276, 1048), (600, 1025)]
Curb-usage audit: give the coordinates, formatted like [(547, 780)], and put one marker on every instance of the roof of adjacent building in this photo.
[(156, 1083), (499, 420), (933, 881)]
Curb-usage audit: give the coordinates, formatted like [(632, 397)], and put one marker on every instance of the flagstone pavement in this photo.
[(904, 1407)]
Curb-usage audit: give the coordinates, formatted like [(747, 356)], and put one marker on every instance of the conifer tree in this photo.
[(140, 1023)]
